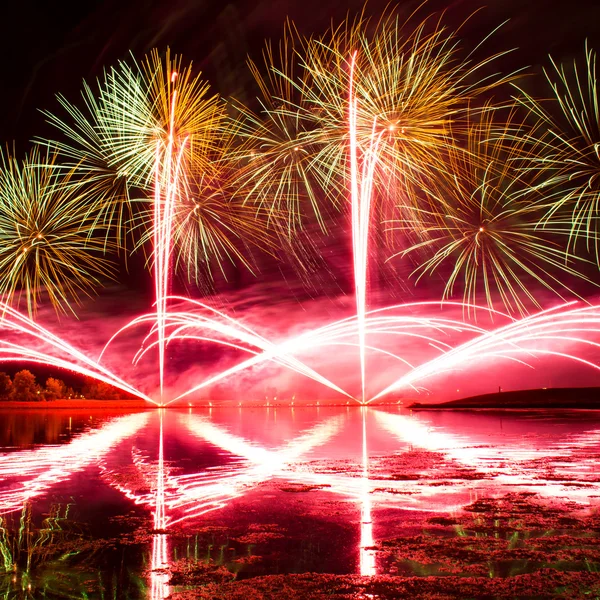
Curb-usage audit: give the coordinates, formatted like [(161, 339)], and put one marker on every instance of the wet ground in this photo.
[(300, 503)]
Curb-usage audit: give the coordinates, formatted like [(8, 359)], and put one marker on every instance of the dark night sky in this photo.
[(49, 47)]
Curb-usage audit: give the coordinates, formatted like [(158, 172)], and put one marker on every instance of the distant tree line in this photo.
[(25, 388)]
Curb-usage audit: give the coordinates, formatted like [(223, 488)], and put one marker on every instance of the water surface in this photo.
[(142, 505)]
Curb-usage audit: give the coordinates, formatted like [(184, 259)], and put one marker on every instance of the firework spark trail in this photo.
[(329, 334), (158, 265), (108, 148), (507, 342), (166, 167), (276, 354), (227, 327), (553, 325), (270, 351), (51, 464), (167, 172), (66, 357), (397, 110), (361, 193), (281, 355)]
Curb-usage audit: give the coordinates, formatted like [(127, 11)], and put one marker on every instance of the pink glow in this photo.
[(358, 436), (563, 333), (191, 496), (519, 341), (194, 495)]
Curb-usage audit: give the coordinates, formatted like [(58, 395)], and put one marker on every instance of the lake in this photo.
[(246, 502)]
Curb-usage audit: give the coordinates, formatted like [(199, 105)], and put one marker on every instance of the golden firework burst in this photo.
[(51, 240), (565, 152), (481, 224), (411, 82)]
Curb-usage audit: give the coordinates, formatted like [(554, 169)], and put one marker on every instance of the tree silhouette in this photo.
[(24, 386)]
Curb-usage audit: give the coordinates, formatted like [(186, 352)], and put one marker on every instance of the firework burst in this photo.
[(210, 226), (111, 143), (212, 229), (136, 111), (275, 162), (566, 156), (409, 79), (111, 146), (87, 158), (51, 242), (483, 229)]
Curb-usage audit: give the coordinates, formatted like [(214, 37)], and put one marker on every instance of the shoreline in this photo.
[(536, 399), (80, 404), (144, 405), (571, 398)]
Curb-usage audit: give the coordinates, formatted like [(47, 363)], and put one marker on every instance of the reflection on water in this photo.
[(313, 489)]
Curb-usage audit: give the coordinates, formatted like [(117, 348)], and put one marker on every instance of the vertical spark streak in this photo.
[(360, 193), (367, 554), (167, 171), (355, 202), (158, 266)]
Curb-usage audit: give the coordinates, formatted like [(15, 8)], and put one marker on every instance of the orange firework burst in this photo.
[(51, 239), (410, 81)]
